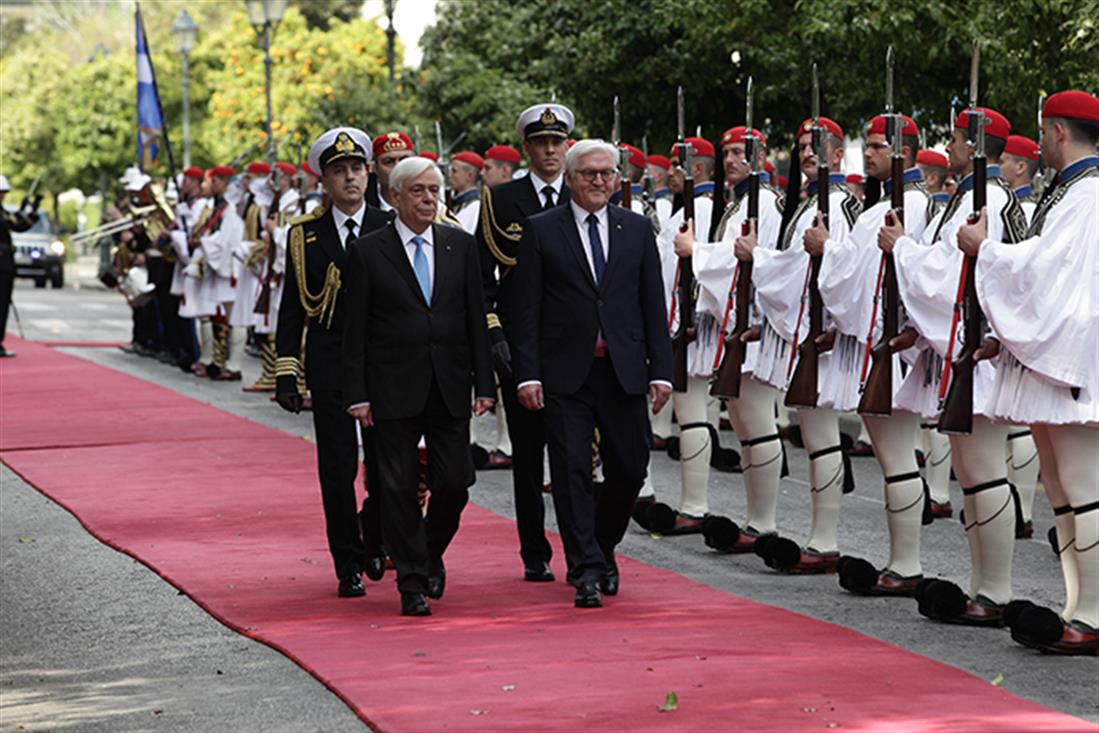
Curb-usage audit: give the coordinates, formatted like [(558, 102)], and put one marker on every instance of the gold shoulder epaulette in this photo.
[(313, 215), (320, 305), (488, 225)]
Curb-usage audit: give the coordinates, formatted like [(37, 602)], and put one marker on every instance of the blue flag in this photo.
[(150, 118)]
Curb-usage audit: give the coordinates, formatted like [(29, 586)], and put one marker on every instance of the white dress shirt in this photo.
[(602, 225), (405, 235), (340, 220), (556, 185)]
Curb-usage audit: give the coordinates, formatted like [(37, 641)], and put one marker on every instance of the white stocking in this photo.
[(1022, 467), (1076, 448), (1064, 521), (979, 461), (695, 446), (753, 419), (821, 432), (894, 440), (936, 468)]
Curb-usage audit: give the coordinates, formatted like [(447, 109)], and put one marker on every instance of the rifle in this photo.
[(957, 406), (623, 160), (877, 388), (263, 301), (684, 271), (727, 382), (802, 390), (443, 162)]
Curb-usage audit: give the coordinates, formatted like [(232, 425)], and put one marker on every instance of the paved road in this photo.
[(87, 633)]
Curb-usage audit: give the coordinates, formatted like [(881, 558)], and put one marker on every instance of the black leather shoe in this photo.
[(414, 604), (352, 587), (609, 584), (538, 572), (375, 567), (436, 584), (587, 595)]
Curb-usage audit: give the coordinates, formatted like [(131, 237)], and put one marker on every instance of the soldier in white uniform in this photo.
[(465, 187), (927, 277), (781, 276), (1039, 298), (850, 286), (271, 260), (716, 268)]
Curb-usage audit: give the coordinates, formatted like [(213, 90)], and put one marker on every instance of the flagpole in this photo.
[(156, 90)]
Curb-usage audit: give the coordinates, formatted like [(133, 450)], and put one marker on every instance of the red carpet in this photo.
[(228, 511)]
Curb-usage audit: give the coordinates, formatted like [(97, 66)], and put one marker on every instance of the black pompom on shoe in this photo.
[(661, 518), (720, 533), (856, 575)]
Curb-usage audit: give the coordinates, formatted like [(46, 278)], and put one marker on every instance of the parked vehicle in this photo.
[(39, 254)]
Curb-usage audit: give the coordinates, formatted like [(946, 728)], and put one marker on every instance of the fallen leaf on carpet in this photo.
[(27, 540), (671, 703), (508, 688)]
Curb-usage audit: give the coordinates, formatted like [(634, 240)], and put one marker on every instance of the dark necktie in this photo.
[(598, 258), (548, 193), (350, 224)]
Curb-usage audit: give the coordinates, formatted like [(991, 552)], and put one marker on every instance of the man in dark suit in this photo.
[(315, 258), (415, 346), (505, 209), (591, 340)]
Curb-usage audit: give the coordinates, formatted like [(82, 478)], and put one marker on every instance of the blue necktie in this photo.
[(419, 265), (598, 259)]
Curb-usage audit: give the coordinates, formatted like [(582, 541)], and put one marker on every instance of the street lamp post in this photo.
[(390, 38), (185, 30), (264, 15)]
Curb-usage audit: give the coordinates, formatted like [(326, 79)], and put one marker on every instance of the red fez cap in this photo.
[(305, 167), (193, 172), (660, 161), (569, 143), (1021, 146), (878, 126), (736, 135), (287, 169), (505, 153), (932, 158), (471, 158), (637, 158), (783, 181), (222, 171), (259, 168), (430, 155), (826, 123), (996, 125), (701, 147), (769, 167), (391, 142), (1073, 104), (855, 178)]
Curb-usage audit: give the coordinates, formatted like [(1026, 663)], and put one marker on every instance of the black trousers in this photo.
[(528, 441), (416, 543), (7, 283), (352, 537), (592, 526)]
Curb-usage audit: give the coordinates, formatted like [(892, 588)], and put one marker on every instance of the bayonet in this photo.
[(439, 143), (816, 98), (616, 131), (956, 384), (680, 125), (750, 150), (418, 141)]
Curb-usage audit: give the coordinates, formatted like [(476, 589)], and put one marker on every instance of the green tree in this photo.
[(486, 61), (318, 13)]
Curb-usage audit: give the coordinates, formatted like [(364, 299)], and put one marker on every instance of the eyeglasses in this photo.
[(589, 175)]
